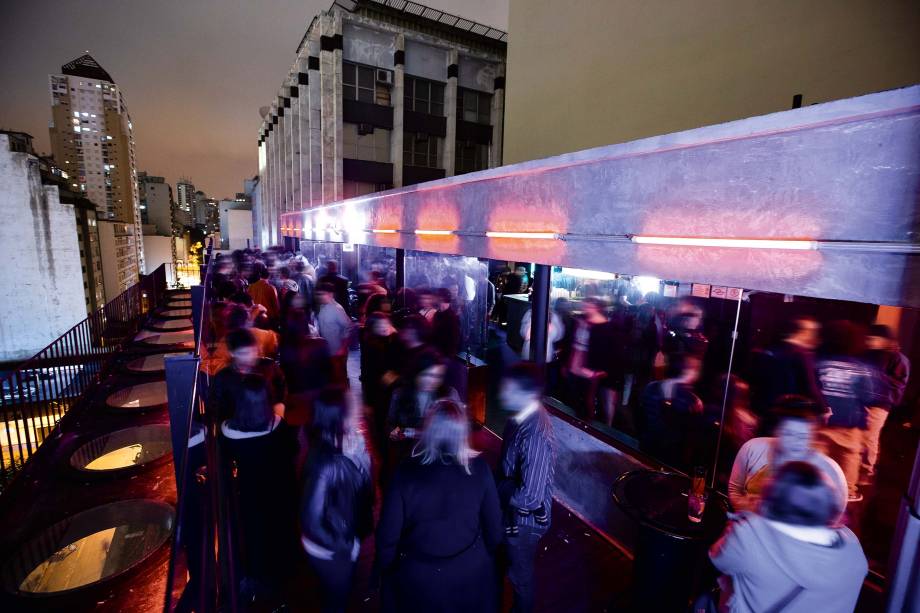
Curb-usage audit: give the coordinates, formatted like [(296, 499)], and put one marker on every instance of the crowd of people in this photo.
[(309, 459), (312, 466), (651, 371)]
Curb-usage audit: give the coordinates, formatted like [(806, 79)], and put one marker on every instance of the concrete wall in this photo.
[(596, 72), (158, 250), (41, 259), (235, 227)]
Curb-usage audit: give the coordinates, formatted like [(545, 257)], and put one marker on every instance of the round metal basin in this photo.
[(170, 324), (89, 548), (148, 364), (123, 449), (141, 397)]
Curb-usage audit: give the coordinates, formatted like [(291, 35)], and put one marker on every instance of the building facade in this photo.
[(185, 195), (39, 241), (92, 138), (377, 98), (156, 202), (658, 70), (118, 244)]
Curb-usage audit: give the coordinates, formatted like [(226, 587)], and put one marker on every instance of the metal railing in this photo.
[(41, 390)]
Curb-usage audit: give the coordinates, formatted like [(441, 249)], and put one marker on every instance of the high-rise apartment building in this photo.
[(379, 97), (185, 195), (92, 139)]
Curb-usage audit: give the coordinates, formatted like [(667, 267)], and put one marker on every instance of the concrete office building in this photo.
[(659, 71), (92, 138), (156, 203), (379, 97), (204, 212), (235, 224), (38, 240)]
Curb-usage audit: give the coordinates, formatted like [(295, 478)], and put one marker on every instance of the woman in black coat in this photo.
[(257, 450), (336, 512), (440, 524)]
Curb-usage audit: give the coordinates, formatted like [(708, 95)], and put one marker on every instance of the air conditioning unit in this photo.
[(385, 77)]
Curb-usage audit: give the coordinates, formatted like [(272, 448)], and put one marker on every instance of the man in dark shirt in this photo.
[(227, 385), (788, 368), (339, 283), (445, 326), (526, 479)]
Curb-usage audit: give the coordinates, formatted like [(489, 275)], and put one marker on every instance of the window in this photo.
[(474, 106), (421, 150), (363, 142), (360, 83), (471, 157), (424, 96)]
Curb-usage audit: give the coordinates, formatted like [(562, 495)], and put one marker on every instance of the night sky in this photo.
[(193, 72)]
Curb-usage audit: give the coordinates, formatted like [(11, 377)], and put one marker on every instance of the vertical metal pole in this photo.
[(539, 314), (728, 381), (401, 273)]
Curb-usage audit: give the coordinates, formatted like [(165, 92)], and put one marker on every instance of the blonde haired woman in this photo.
[(440, 523)]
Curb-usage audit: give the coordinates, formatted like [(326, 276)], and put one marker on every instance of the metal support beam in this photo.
[(539, 313)]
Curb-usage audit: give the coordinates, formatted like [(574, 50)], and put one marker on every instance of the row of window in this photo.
[(419, 149), (366, 84)]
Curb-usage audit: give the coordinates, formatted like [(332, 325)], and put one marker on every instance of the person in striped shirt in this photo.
[(526, 479)]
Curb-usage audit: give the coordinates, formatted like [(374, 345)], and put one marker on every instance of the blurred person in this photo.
[(413, 399), (684, 335), (893, 369), (237, 318), (379, 355), (518, 282), (788, 367), (265, 294), (554, 334), (412, 331), (445, 325), (440, 523), (759, 459), (427, 303), (307, 366), (589, 361), (526, 477), (227, 385), (375, 285), (337, 507), (305, 276), (257, 451), (790, 558), (334, 325), (339, 285), (849, 386), (670, 413)]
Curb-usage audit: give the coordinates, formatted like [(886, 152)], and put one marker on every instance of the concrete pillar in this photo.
[(450, 106), (302, 147), (498, 118), (284, 166), (397, 96), (330, 68), (316, 123)]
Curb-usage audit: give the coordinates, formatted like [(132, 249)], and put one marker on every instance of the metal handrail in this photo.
[(38, 392)]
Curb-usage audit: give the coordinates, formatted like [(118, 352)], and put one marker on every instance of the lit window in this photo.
[(76, 113), (76, 128), (85, 114)]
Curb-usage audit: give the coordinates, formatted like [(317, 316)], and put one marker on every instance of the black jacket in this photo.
[(337, 505)]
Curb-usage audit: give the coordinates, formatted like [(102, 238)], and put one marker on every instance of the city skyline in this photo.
[(195, 73)]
